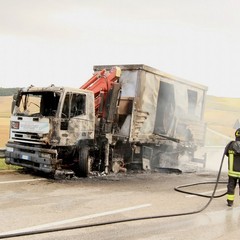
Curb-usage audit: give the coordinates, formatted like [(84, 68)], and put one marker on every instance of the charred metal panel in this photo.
[(147, 155), (162, 103), (29, 129), (79, 127), (164, 121), (129, 81), (111, 104), (147, 94), (38, 158), (125, 106)]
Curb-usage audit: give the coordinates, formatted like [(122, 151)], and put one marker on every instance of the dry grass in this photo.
[(5, 112), (5, 106), (221, 115), (4, 130)]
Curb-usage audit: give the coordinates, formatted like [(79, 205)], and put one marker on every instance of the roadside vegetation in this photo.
[(8, 91), (4, 166)]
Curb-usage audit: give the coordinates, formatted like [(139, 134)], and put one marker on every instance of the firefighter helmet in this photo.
[(237, 133)]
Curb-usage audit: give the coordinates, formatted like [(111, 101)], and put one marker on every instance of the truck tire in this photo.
[(83, 162)]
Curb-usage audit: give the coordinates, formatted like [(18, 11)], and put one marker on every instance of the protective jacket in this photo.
[(232, 150)]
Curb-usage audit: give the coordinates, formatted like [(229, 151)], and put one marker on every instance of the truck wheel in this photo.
[(83, 162)]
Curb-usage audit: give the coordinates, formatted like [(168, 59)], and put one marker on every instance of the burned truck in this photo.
[(124, 117)]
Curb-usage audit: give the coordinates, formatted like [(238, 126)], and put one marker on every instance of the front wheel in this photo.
[(82, 169)]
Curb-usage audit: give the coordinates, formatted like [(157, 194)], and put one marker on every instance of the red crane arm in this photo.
[(100, 83)]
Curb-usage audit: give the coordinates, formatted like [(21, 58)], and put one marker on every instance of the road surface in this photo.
[(34, 203)]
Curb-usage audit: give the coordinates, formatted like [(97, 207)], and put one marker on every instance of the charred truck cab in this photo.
[(49, 126), (125, 117)]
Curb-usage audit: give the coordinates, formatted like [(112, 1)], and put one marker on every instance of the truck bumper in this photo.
[(41, 159)]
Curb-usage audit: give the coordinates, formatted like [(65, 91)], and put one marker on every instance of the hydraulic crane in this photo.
[(106, 88)]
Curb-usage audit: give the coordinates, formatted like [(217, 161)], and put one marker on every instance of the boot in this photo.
[(229, 203)]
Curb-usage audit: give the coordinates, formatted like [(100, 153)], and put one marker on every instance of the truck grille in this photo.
[(27, 137)]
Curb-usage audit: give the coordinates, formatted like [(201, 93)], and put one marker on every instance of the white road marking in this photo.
[(71, 220), (209, 192), (24, 180)]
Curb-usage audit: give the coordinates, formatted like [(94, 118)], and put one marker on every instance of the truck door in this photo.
[(75, 121)]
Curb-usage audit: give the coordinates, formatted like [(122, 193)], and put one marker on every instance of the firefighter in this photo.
[(232, 151)]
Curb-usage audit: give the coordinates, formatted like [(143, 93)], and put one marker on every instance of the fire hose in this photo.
[(211, 197)]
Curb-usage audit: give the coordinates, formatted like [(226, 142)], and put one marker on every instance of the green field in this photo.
[(4, 166)]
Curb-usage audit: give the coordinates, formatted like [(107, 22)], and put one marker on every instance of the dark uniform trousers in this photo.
[(233, 153)]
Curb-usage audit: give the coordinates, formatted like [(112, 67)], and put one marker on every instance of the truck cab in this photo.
[(47, 126)]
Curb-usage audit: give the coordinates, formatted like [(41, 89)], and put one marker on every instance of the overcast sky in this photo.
[(58, 41)]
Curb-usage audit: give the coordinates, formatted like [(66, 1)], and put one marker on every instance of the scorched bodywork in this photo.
[(125, 117)]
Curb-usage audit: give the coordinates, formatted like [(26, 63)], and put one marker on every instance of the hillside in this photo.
[(221, 116), (8, 91)]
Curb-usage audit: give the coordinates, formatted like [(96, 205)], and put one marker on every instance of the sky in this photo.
[(44, 42)]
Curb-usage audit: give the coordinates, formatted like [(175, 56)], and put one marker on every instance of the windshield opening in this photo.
[(38, 104)]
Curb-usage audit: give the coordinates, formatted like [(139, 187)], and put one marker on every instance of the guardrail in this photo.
[(2, 152)]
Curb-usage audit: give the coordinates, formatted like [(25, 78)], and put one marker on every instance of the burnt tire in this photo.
[(82, 169)]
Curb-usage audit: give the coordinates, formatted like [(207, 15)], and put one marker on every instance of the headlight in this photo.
[(15, 125)]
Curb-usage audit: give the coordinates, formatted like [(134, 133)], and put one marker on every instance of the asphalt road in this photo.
[(33, 203)]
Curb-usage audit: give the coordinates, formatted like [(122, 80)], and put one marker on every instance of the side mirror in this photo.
[(14, 102)]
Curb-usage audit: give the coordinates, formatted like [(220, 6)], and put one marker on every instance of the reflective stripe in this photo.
[(234, 174), (230, 165), (230, 197), (230, 159)]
